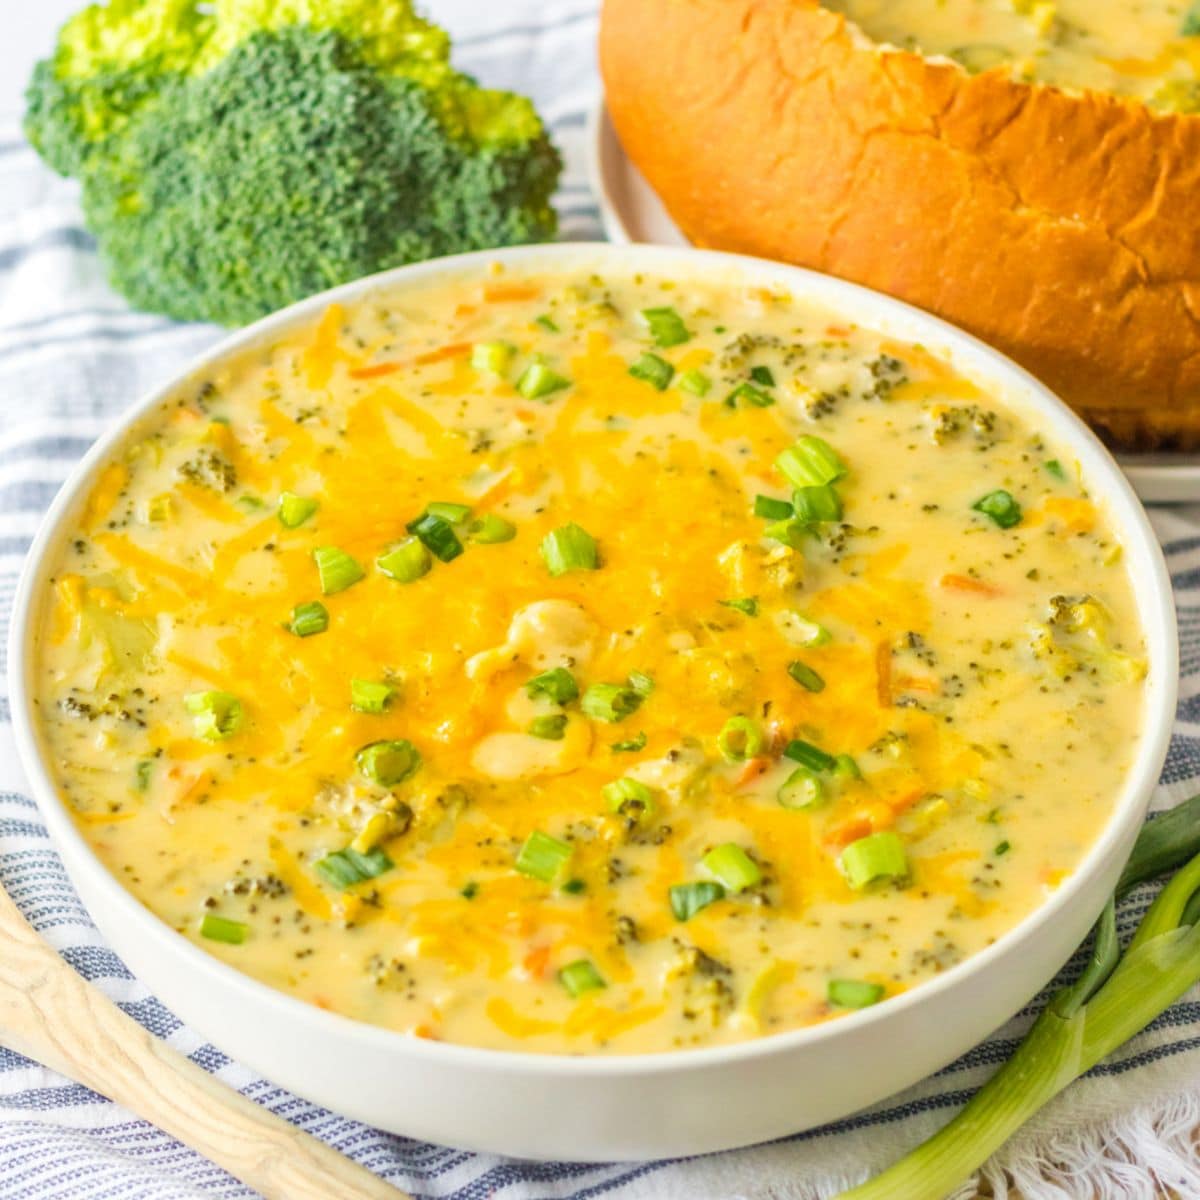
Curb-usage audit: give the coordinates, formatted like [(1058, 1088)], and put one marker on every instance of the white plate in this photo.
[(631, 212)]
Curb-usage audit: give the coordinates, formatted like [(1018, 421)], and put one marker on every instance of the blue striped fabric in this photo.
[(71, 358)]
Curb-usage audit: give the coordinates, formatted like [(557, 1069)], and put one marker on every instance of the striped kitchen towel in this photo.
[(72, 357)]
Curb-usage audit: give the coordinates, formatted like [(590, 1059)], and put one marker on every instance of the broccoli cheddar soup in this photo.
[(1147, 49), (590, 665)]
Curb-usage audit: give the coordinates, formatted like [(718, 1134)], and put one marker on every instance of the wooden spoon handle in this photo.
[(50, 1014)]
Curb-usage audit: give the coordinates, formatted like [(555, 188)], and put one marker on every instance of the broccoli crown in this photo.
[(238, 156)]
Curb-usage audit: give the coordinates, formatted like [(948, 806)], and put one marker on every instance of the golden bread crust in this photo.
[(1062, 228)]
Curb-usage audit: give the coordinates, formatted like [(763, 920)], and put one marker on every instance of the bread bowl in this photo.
[(570, 1105), (1060, 225)]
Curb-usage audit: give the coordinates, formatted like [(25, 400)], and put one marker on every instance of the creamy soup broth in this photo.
[(580, 664)]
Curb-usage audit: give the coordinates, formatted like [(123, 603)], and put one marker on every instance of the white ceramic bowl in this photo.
[(636, 1106)]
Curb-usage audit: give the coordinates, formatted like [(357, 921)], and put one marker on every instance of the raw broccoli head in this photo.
[(235, 161)]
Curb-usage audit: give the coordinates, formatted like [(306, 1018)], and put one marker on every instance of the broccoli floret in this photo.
[(235, 161)]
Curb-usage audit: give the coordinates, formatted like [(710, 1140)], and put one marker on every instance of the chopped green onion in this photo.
[(569, 548), (406, 562), (748, 394), (470, 890), (846, 768), (800, 631), (744, 604), (215, 715), (250, 504), (732, 867), (580, 977), (437, 535), (543, 857), (448, 511), (344, 868), (492, 356), (762, 376), (853, 993), (337, 569), (490, 530), (546, 322), (801, 789), (538, 380), (222, 929), (609, 702), (143, 772), (573, 887), (806, 677), (1002, 848), (740, 738), (695, 382), (687, 899), (1191, 22), (790, 532), (816, 504), (629, 797), (666, 326), (808, 755), (630, 745), (876, 856), (557, 684), (1001, 507), (550, 727), (309, 618), (1054, 467), (294, 510), (367, 696), (388, 763), (772, 509), (810, 462), (641, 683), (652, 369)]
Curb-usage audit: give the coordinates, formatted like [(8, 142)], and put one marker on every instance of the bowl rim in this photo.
[(1154, 602)]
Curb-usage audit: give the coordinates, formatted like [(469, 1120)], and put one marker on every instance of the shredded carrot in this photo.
[(499, 293), (883, 674), (373, 372), (916, 683), (450, 350), (753, 768), (537, 962), (465, 310), (851, 830), (904, 801), (966, 583), (839, 331)]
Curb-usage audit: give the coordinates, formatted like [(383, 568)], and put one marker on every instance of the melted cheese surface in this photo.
[(1147, 49), (980, 679)]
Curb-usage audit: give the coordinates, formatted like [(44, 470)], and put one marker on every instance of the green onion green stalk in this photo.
[(1117, 996)]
